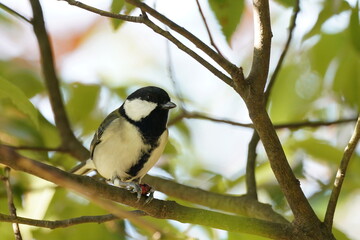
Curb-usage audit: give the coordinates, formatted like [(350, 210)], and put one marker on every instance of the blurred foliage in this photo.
[(228, 14), (286, 3), (65, 205), (320, 80), (19, 99)]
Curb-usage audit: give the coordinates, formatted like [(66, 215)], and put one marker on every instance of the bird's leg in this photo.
[(145, 190), (132, 186)]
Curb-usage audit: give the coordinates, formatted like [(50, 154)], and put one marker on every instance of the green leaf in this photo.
[(300, 87), (6, 228), (19, 99), (347, 77), (339, 235), (329, 9), (66, 205), (228, 14), (170, 148), (320, 56), (83, 99), (319, 149), (121, 92), (23, 77), (243, 236), (116, 7), (49, 133), (286, 3), (354, 27), (6, 18), (183, 128)]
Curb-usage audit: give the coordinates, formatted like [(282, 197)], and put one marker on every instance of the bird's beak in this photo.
[(168, 105)]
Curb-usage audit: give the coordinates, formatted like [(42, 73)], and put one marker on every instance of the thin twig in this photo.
[(313, 124), (145, 20), (40, 149), (62, 223), (104, 13), (172, 76), (11, 205), (13, 12), (68, 139), (208, 29), (340, 175), (251, 188), (197, 115), (187, 50), (279, 64), (220, 60), (295, 125)]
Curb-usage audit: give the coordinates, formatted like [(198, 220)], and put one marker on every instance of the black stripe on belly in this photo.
[(135, 169)]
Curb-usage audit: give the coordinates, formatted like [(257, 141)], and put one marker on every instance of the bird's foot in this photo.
[(131, 186), (139, 189), (148, 191)]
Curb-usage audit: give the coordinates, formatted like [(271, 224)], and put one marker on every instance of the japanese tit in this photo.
[(131, 139)]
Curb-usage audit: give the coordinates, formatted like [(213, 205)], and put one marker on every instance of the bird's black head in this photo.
[(150, 94), (147, 108)]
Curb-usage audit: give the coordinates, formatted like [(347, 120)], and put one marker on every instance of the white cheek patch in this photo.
[(137, 109)]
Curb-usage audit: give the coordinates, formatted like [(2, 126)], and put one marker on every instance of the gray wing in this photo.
[(97, 136)]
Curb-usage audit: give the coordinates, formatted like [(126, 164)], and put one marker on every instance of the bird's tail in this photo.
[(83, 168)]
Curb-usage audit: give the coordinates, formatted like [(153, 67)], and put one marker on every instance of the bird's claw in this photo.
[(136, 189), (140, 189), (147, 191)]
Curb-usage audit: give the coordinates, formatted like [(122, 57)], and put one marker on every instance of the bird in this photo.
[(130, 140)]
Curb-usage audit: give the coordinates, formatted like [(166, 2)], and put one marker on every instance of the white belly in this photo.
[(119, 151)]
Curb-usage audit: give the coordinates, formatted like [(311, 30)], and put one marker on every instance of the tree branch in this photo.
[(11, 205), (241, 205), (262, 45), (172, 77), (187, 50), (58, 223), (156, 208), (251, 159), (197, 115), (253, 95), (220, 60), (292, 26), (13, 12), (145, 20), (52, 82), (294, 126), (340, 175), (251, 188), (61, 178), (290, 185), (313, 124), (40, 149), (235, 204), (105, 13)]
